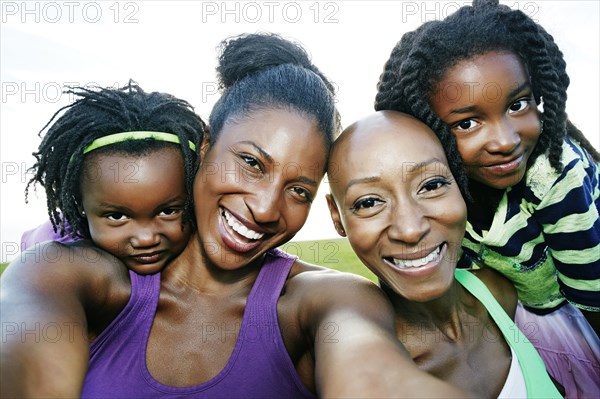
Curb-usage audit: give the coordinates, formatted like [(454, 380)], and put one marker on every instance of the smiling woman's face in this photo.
[(256, 185), (399, 204)]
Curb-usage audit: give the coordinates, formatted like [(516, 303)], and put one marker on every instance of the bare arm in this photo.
[(357, 353), (44, 348)]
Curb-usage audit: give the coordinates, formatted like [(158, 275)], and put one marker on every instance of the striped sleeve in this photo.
[(568, 213)]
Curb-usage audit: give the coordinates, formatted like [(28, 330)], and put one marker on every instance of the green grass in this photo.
[(334, 254)]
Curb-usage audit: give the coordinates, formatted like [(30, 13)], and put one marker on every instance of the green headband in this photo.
[(125, 136)]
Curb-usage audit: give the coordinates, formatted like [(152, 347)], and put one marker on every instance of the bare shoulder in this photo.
[(53, 271), (320, 289), (74, 288), (501, 288)]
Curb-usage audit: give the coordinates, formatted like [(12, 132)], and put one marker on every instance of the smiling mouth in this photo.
[(415, 263), (148, 258), (240, 228), (506, 167)]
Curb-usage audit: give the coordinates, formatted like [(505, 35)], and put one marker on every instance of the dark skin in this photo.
[(202, 285), (405, 218), (495, 133), (458, 349)]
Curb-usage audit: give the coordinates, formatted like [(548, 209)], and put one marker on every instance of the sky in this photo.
[(170, 46)]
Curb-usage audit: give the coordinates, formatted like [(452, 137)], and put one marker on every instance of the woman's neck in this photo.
[(193, 268), (442, 314)]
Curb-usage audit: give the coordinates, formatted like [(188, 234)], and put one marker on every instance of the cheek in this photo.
[(455, 220), (363, 236), (113, 240), (296, 217), (469, 147), (531, 129), (177, 235)]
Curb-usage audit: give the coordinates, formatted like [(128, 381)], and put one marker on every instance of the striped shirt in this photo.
[(545, 234)]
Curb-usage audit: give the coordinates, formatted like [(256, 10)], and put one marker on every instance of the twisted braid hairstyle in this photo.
[(99, 112), (262, 71), (420, 59)]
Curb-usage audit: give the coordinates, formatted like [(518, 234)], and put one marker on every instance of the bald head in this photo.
[(373, 138)]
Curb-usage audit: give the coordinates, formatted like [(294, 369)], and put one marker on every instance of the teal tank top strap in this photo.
[(537, 380)]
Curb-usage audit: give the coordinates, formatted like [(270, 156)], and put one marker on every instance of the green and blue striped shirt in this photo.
[(545, 235)]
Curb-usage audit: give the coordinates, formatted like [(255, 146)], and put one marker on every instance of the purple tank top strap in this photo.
[(262, 301), (138, 312)]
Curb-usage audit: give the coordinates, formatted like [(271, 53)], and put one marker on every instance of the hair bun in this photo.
[(244, 55), (485, 3)]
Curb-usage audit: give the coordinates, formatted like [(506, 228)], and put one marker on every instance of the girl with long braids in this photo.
[(491, 83), (117, 167)]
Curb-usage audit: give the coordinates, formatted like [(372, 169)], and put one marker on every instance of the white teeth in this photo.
[(240, 228), (418, 262)]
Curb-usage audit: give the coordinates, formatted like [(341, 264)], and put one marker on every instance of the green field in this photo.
[(334, 254)]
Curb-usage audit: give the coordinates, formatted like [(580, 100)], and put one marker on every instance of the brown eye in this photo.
[(365, 203), (116, 216), (518, 105), (251, 161), (466, 124), (434, 184)]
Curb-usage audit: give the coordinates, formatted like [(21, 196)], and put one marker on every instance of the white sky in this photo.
[(170, 47)]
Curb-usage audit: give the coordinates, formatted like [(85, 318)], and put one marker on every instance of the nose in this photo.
[(145, 235), (408, 223), (266, 203), (504, 137)]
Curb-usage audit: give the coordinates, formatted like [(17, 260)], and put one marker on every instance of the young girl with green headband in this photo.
[(117, 167)]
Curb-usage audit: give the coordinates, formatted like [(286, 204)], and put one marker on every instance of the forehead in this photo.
[(155, 167), (279, 132), (388, 141), (483, 73), (389, 145)]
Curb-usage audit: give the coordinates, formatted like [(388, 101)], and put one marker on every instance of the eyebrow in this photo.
[(511, 94), (362, 180), (110, 207), (424, 164), (519, 88), (264, 154), (413, 167)]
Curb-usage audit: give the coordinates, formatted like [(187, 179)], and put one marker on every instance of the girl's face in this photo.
[(488, 103), (256, 184), (396, 200), (134, 206)]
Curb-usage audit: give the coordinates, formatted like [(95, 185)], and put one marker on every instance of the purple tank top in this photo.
[(44, 232), (259, 366)]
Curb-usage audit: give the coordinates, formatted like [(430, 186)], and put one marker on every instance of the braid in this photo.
[(420, 59), (97, 113), (402, 87), (259, 71), (549, 80)]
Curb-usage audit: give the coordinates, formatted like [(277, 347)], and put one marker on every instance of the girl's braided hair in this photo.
[(420, 59), (99, 112)]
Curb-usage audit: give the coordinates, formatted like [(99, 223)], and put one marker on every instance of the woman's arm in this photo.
[(356, 350), (45, 296)]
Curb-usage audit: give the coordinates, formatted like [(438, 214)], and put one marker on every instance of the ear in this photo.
[(205, 144), (80, 209), (335, 215)]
